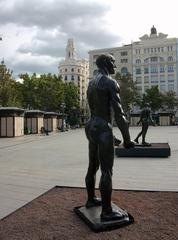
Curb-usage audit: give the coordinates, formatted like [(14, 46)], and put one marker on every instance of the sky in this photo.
[(35, 33)]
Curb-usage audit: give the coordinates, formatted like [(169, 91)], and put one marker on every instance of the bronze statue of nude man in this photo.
[(103, 94)]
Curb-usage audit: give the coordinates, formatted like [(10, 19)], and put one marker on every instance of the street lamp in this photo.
[(63, 105)]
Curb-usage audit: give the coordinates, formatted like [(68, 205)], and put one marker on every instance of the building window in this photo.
[(170, 78), (124, 71), (170, 58), (72, 70), (154, 79), (169, 48), (65, 78), (72, 77), (154, 59), (65, 69), (124, 60), (146, 70), (138, 70), (162, 68), (123, 53), (138, 61), (170, 68), (137, 51), (161, 59), (146, 88), (146, 60), (162, 78), (154, 69), (162, 88), (61, 71), (170, 87), (78, 78), (138, 80), (146, 79)]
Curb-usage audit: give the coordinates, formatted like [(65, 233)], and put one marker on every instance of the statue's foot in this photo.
[(94, 202), (136, 140), (146, 143), (112, 216), (117, 142)]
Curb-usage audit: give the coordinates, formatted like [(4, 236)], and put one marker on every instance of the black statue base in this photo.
[(153, 150), (91, 216)]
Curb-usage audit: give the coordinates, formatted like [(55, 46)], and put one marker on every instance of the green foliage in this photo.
[(46, 92), (128, 93), (170, 100), (9, 88), (152, 97), (71, 97), (158, 100)]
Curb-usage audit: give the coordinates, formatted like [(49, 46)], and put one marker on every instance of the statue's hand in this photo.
[(130, 144)]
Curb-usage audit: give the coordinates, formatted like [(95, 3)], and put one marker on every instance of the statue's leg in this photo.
[(106, 156), (145, 128), (91, 175), (138, 136)]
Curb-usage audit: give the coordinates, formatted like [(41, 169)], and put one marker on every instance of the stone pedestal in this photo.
[(91, 216), (154, 150)]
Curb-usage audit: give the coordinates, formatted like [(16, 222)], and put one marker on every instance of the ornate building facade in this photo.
[(76, 70), (152, 61)]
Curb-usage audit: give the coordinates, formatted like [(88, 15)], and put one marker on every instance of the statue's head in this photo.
[(106, 62), (146, 105)]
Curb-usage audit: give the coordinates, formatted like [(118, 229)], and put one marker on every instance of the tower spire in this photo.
[(70, 49)]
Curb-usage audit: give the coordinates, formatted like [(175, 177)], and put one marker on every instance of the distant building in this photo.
[(152, 61), (76, 70)]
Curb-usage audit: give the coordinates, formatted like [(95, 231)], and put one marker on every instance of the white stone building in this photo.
[(152, 61), (155, 62), (76, 70)]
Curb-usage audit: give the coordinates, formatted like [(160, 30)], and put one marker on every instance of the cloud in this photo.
[(41, 30), (31, 64), (48, 14)]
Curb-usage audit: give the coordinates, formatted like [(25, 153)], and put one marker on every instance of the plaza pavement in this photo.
[(32, 164)]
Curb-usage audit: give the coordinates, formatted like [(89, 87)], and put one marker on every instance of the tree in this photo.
[(9, 88), (170, 100), (128, 93), (71, 97), (50, 91), (46, 92), (153, 97)]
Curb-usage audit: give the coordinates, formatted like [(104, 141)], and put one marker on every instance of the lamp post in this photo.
[(62, 108)]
